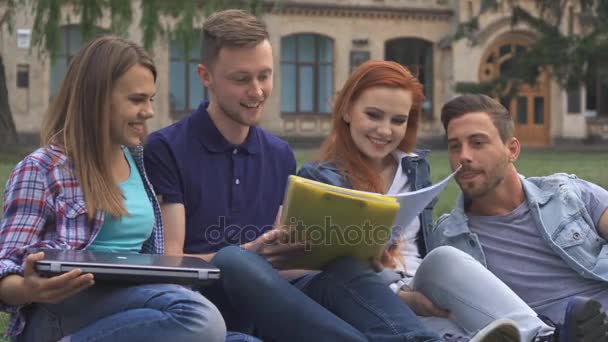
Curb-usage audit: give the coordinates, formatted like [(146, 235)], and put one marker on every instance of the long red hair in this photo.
[(339, 146)]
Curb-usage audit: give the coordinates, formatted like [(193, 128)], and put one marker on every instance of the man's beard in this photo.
[(492, 181)]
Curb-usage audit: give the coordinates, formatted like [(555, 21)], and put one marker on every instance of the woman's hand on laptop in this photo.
[(37, 289)]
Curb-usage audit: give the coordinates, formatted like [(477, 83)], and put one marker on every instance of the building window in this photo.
[(417, 56), (307, 74), (357, 58), (539, 110), (522, 110), (186, 90), (574, 100), (69, 44), (597, 90), (23, 76)]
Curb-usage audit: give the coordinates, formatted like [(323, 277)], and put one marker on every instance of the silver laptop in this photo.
[(129, 267)]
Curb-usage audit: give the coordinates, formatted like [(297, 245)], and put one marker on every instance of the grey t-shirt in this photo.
[(517, 253)]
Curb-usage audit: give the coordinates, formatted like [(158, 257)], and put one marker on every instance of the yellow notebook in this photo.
[(336, 221)]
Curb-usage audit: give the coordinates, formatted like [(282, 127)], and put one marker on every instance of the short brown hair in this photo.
[(471, 103), (230, 28)]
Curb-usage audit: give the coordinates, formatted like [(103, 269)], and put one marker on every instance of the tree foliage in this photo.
[(571, 58), (7, 13), (168, 19), (175, 19)]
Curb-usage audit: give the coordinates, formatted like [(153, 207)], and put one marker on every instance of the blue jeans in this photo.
[(105, 312), (233, 336), (345, 302)]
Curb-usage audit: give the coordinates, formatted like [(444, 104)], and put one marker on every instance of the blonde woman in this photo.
[(86, 188)]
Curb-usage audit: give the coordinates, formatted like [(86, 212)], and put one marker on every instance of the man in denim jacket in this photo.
[(545, 237)]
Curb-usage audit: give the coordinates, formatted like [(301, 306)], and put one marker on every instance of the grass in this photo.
[(591, 166), (7, 162)]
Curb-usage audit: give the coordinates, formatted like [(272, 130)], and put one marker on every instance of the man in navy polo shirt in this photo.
[(217, 191), (221, 179)]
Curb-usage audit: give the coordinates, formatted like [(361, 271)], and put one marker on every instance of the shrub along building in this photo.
[(317, 43)]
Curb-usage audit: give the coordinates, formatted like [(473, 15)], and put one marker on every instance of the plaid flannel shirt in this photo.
[(44, 207)]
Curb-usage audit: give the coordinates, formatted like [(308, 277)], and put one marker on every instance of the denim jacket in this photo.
[(416, 168), (556, 206)]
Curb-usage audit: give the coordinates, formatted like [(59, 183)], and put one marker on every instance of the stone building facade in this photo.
[(316, 45)]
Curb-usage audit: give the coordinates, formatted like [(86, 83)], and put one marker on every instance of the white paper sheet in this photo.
[(412, 203)]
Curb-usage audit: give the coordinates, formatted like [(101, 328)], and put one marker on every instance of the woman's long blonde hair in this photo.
[(78, 119)]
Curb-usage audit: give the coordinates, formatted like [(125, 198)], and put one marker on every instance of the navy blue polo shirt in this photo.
[(231, 194)]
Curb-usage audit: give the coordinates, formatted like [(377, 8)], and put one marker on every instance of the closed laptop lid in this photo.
[(124, 264), (125, 259)]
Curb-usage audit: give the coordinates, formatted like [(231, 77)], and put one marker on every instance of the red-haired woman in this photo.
[(372, 147)]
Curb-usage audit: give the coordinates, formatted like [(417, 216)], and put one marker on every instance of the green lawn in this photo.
[(7, 162), (591, 166)]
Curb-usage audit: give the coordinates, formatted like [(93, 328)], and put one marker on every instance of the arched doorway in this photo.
[(417, 55), (530, 107)]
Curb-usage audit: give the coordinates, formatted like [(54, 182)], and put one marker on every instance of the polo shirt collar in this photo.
[(212, 139)]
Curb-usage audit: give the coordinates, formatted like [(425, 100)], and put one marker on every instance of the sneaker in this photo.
[(500, 330), (584, 321)]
